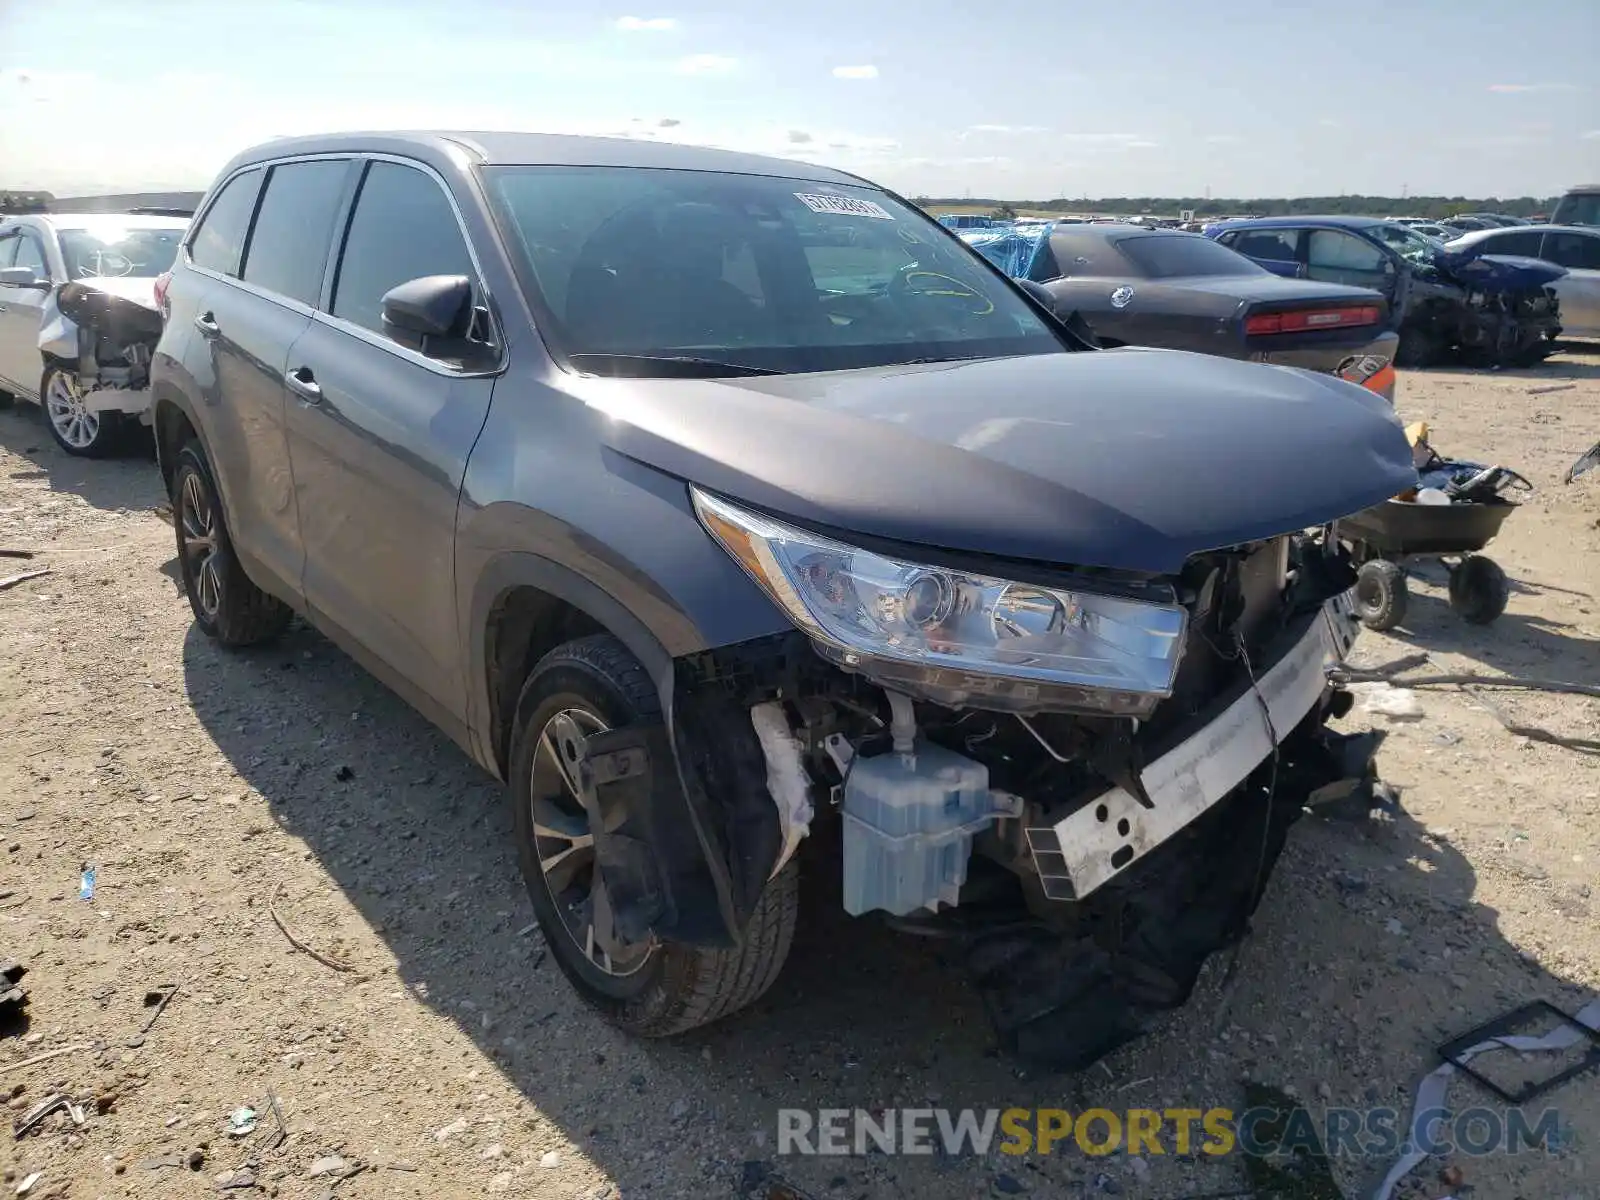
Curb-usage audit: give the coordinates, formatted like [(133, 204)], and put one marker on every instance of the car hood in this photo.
[(141, 289), (1128, 459), (123, 308), (1270, 288)]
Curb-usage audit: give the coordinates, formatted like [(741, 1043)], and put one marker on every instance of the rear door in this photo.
[(259, 301), (22, 312), (1579, 291), (380, 435)]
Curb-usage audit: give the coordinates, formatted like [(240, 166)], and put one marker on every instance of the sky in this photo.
[(1134, 98)]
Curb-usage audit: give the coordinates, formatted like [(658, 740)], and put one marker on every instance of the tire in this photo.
[(1417, 348), (227, 606), (80, 433), (1479, 590), (659, 989), (1381, 594)]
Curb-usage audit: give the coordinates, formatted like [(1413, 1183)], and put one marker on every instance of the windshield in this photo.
[(1410, 244), (1173, 256), (99, 253), (638, 270), (1577, 208)]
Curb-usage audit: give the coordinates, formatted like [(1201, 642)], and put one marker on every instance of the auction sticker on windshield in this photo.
[(844, 206)]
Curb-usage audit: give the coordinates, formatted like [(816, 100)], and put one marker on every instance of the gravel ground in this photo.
[(202, 785)]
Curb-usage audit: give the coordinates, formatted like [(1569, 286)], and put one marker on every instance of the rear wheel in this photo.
[(227, 605), (650, 988), (1479, 590), (1381, 594), (78, 431)]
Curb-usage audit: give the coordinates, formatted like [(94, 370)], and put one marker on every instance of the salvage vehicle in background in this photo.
[(1580, 206), (78, 319), (1137, 286), (687, 489), (1483, 311), (1574, 247)]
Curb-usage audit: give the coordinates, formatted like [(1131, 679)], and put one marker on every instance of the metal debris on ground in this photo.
[(296, 942), (53, 1103), (16, 553), (26, 1185), (11, 581), (157, 998)]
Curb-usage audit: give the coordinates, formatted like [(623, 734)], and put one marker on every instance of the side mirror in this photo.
[(23, 277), (433, 306)]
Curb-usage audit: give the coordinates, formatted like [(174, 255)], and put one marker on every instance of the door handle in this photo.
[(207, 325), (302, 384)]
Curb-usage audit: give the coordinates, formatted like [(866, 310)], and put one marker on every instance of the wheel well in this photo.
[(172, 431), (524, 625)]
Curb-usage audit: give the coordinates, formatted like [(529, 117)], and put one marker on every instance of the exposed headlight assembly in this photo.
[(956, 635)]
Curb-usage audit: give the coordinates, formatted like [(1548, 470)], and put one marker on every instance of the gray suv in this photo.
[(715, 501)]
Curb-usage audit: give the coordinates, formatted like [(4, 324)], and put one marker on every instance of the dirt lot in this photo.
[(202, 784)]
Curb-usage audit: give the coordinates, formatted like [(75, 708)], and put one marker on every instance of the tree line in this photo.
[(1434, 207)]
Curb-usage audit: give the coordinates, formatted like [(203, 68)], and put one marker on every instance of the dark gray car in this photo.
[(690, 491)]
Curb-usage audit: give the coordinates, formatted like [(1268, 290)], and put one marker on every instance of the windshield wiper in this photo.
[(680, 366)]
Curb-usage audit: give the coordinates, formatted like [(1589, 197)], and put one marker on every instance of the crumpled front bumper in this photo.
[(1102, 838)]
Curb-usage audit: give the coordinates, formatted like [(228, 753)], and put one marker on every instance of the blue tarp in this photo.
[(1013, 248)]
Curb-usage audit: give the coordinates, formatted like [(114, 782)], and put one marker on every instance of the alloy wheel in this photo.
[(564, 843), (75, 424), (197, 519)]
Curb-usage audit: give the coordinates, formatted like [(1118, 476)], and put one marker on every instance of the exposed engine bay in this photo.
[(105, 339), (1089, 848), (1488, 310)]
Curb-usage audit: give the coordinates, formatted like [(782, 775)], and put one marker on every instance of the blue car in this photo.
[(1488, 310)]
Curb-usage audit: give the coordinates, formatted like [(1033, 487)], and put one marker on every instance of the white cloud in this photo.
[(1107, 139), (1223, 139), (865, 71), (646, 24), (1590, 135), (1533, 87), (1141, 144), (1330, 123), (706, 64), (799, 137), (1006, 129)]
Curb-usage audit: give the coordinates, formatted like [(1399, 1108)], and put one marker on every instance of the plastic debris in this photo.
[(86, 883), (1431, 1092), (242, 1122), (1386, 700), (26, 1185)]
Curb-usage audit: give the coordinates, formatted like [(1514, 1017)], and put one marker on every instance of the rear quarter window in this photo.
[(288, 250), (218, 241)]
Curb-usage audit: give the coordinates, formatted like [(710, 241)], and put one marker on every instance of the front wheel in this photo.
[(1381, 594), (648, 988), (78, 431), (1479, 590), (227, 605)]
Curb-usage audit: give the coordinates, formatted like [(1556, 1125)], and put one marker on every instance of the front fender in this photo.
[(58, 333)]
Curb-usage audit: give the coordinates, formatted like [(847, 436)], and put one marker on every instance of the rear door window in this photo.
[(288, 250), (403, 228), (1575, 251), (218, 242), (1518, 242), (1275, 245)]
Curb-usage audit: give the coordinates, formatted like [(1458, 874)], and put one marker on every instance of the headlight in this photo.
[(866, 605)]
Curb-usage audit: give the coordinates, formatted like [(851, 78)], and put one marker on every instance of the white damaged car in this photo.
[(79, 319)]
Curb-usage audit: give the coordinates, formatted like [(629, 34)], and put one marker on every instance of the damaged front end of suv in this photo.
[(1078, 756)]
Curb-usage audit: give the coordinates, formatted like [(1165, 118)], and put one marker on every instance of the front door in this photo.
[(21, 313), (379, 436), (1335, 256), (1579, 291)]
